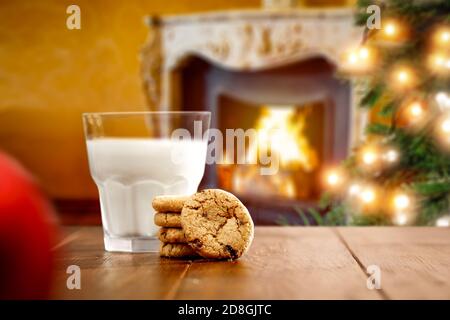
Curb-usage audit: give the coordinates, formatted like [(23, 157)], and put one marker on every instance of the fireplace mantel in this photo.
[(243, 40)]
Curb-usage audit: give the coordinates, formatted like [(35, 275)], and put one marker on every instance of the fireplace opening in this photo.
[(291, 134), (304, 100)]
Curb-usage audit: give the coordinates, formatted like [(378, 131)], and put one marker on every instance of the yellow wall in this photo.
[(49, 75)]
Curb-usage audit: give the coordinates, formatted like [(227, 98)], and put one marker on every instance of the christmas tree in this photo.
[(400, 173)]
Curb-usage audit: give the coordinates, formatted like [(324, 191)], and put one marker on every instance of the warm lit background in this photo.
[(49, 75)]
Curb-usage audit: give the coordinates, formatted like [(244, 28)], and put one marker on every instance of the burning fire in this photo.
[(280, 133)]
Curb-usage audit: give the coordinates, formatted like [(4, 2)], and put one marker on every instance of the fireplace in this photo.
[(261, 70), (299, 148), (304, 100)]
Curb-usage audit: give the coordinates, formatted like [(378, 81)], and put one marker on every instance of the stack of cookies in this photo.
[(212, 224), (168, 217)]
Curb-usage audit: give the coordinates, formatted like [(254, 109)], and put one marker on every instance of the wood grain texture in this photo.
[(414, 261), (283, 263), (106, 275)]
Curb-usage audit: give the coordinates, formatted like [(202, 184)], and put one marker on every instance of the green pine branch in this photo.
[(424, 168)]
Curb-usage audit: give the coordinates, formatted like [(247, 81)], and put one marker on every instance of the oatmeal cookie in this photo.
[(217, 225), (168, 219), (176, 250), (172, 235), (169, 203)]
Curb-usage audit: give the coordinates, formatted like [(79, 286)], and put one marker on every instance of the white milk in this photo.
[(130, 172)]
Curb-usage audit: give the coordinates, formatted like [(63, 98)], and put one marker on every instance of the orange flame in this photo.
[(280, 133)]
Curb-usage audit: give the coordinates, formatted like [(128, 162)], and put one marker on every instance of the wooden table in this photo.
[(283, 263)]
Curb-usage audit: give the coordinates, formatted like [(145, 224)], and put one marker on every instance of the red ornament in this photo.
[(27, 235)]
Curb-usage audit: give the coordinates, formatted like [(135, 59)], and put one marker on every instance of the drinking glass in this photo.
[(135, 156)]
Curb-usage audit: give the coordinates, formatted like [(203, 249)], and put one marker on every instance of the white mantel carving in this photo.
[(243, 40), (262, 39)]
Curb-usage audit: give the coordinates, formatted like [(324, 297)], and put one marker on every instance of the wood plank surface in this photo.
[(414, 261), (106, 275), (283, 263)]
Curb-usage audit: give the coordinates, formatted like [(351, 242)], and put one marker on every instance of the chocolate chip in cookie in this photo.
[(217, 225)]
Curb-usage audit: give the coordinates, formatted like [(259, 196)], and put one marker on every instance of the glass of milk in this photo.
[(135, 156)]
